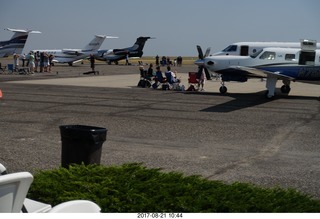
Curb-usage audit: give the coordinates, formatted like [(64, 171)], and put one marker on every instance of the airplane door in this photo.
[(244, 50)]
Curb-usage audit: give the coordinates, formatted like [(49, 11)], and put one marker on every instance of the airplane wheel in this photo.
[(285, 89), (70, 63), (223, 89)]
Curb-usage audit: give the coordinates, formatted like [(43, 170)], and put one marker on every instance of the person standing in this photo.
[(23, 58), (201, 75), (31, 62), (15, 62), (92, 62), (127, 58), (50, 62)]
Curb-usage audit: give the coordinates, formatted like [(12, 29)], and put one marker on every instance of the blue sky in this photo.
[(177, 25)]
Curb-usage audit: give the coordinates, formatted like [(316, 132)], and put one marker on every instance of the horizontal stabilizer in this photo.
[(22, 31)]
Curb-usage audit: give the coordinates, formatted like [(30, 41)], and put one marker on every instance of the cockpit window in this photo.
[(268, 55), (231, 48), (290, 57)]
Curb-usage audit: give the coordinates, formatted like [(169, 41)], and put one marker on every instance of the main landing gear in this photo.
[(223, 89), (285, 87)]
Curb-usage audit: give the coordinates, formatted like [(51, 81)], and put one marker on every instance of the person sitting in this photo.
[(159, 76), (171, 76), (150, 72), (143, 73)]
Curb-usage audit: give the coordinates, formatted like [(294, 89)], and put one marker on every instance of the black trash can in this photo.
[(81, 144)]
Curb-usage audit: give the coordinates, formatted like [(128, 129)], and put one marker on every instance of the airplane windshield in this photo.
[(231, 48)]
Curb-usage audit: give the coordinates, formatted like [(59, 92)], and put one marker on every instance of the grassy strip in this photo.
[(134, 188)]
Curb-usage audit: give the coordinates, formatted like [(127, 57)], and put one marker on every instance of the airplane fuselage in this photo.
[(250, 48), (291, 62), (62, 56), (117, 55)]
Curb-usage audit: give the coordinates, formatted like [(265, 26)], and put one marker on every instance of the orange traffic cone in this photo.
[(0, 94)]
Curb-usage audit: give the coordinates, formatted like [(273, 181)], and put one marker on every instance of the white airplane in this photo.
[(72, 56), (250, 48), (273, 63), (16, 43)]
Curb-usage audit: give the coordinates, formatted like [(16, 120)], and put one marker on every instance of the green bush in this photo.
[(134, 188)]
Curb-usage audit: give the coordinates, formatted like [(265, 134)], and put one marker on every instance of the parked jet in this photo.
[(250, 48), (16, 43), (115, 55), (273, 63), (72, 56)]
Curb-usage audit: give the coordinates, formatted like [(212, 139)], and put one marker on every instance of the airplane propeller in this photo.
[(200, 62)]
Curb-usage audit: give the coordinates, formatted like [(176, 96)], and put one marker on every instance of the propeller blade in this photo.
[(200, 53), (207, 52), (208, 76)]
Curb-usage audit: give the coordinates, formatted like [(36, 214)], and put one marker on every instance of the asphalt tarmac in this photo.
[(239, 136)]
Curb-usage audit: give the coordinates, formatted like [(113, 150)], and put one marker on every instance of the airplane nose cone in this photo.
[(199, 62)]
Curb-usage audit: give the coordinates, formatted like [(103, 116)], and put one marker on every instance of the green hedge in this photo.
[(134, 188)]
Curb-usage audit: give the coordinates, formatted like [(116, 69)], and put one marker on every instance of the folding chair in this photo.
[(174, 84), (13, 191), (10, 68), (193, 81)]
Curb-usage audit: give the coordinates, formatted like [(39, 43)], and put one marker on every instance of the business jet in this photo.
[(273, 63), (16, 43), (115, 55), (72, 56), (250, 48)]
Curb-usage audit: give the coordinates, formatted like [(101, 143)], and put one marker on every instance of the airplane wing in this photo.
[(72, 51), (262, 73)]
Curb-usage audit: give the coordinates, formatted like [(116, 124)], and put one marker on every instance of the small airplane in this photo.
[(250, 48), (16, 43), (72, 56), (273, 63), (115, 55)]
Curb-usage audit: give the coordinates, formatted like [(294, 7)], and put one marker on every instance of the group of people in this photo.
[(169, 79), (167, 61), (33, 61)]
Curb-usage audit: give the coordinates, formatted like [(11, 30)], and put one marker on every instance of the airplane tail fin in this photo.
[(139, 44), (16, 43), (18, 32), (95, 43)]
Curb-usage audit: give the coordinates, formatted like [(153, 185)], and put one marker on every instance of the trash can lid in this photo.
[(84, 132)]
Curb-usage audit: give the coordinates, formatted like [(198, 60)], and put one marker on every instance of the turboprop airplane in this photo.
[(250, 48), (115, 55), (72, 56), (273, 63), (16, 43)]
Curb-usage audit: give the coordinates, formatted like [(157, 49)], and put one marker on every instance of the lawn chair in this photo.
[(10, 68), (13, 191), (145, 80), (76, 206), (14, 188), (193, 81), (173, 83)]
